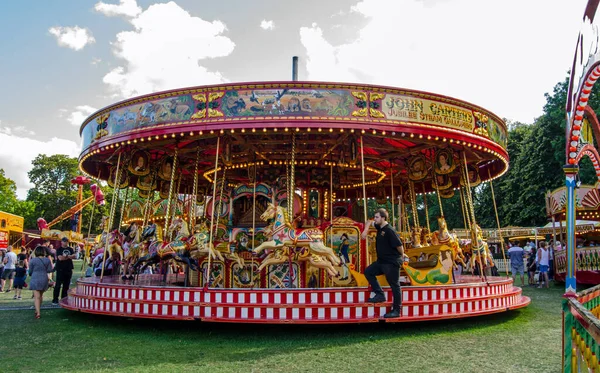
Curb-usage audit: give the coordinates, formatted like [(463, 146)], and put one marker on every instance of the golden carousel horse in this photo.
[(416, 237), (443, 237), (286, 243), (201, 247)]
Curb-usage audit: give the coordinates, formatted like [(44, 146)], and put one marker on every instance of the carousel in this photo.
[(257, 193)]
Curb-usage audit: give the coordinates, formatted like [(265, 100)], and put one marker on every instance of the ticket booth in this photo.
[(11, 229)]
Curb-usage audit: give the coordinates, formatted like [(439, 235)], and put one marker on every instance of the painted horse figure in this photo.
[(148, 247), (287, 243), (479, 249), (443, 237), (201, 247), (131, 248)]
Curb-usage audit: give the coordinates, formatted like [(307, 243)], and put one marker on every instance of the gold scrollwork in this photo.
[(481, 124), (200, 113), (372, 111), (212, 113), (362, 112), (102, 118)]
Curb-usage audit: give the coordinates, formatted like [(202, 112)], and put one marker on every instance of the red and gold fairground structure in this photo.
[(581, 326), (290, 171), (587, 232)]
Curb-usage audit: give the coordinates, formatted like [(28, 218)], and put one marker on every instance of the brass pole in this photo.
[(498, 221), (212, 218), (113, 205)]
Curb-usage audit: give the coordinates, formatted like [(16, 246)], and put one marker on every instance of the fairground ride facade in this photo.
[(285, 171)]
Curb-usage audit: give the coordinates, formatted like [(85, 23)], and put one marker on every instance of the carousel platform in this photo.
[(149, 297)]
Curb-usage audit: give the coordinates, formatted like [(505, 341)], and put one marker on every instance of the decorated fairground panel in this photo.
[(253, 197), (587, 232)]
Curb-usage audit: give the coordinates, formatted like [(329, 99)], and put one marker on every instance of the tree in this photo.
[(8, 194)]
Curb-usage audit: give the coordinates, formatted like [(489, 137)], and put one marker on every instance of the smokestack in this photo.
[(295, 68)]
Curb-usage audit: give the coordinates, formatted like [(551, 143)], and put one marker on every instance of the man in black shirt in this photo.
[(389, 258), (64, 269)]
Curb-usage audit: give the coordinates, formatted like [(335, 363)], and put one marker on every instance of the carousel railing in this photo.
[(581, 331)]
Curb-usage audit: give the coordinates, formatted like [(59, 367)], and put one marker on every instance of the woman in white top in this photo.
[(543, 256)]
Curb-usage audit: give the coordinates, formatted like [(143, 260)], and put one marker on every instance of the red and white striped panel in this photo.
[(332, 305)]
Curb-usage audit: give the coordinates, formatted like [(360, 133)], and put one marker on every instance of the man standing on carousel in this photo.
[(390, 253), (64, 269)]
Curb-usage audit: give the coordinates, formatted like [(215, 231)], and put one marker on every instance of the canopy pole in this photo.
[(426, 208), (437, 192), (113, 206), (212, 216), (498, 221), (170, 196), (392, 192), (253, 221), (364, 189), (471, 212)]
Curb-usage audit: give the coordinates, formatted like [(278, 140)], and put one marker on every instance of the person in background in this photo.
[(531, 267), (2, 256), (64, 270), (20, 277), (10, 264), (551, 262), (39, 267), (516, 255), (543, 256)]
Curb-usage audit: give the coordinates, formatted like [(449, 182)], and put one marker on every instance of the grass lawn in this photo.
[(526, 340)]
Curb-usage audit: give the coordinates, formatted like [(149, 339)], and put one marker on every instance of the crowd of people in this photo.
[(46, 266), (533, 261)]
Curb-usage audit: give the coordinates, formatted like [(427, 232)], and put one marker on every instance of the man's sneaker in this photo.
[(392, 314), (54, 303), (378, 298)]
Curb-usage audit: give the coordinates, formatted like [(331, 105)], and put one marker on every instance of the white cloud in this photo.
[(165, 51), (17, 153), (77, 117), (15, 130), (504, 61), (72, 37), (127, 8), (267, 25), (95, 61)]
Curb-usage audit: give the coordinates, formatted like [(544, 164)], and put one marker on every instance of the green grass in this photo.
[(526, 340)]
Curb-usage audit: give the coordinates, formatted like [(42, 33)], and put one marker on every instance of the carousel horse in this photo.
[(201, 247), (286, 243), (480, 250), (132, 248), (113, 239), (443, 237), (151, 240), (416, 237)]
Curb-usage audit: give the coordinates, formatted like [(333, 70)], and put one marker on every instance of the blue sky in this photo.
[(500, 55)]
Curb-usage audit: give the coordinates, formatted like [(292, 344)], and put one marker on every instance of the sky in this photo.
[(62, 60)]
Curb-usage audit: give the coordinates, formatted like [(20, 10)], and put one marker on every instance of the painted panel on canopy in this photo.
[(287, 101), (136, 116), (438, 113)]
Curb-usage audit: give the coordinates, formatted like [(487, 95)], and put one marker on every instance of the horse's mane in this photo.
[(184, 231), (284, 213)]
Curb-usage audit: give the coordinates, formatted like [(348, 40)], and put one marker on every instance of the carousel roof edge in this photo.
[(286, 84)]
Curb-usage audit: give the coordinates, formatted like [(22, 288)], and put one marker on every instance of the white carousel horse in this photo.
[(479, 249), (287, 243)]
